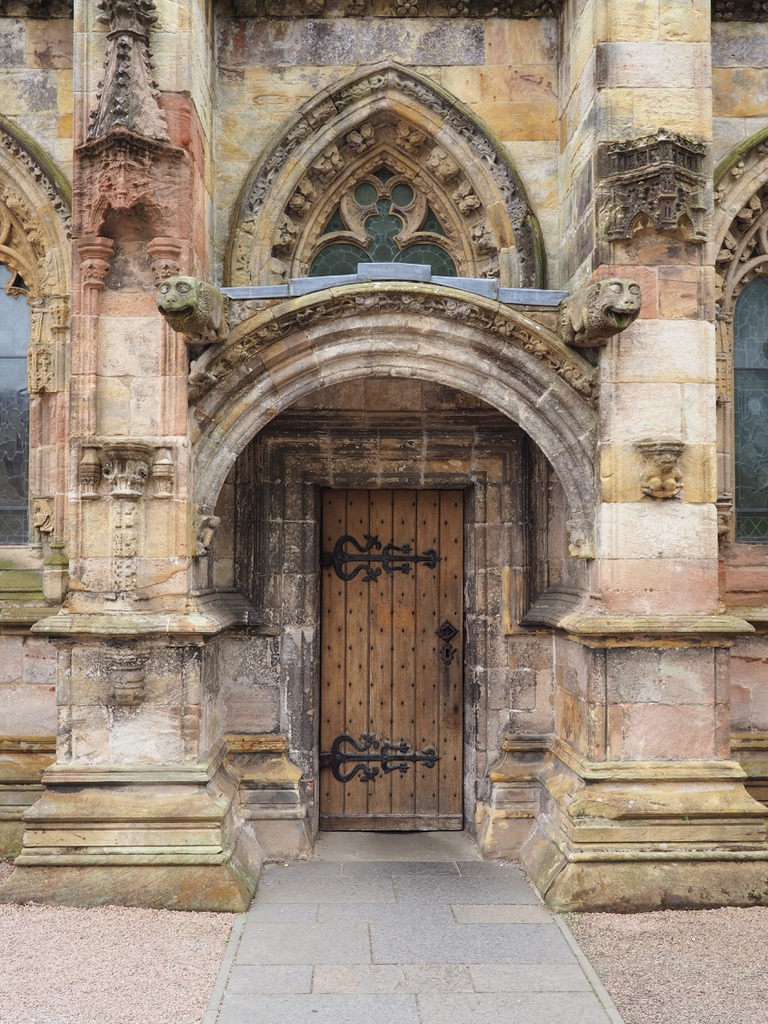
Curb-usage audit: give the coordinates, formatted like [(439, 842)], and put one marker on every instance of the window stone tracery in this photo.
[(386, 119), (742, 364), (34, 325)]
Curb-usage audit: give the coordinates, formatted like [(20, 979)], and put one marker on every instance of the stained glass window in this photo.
[(750, 331), (382, 209), (14, 414)]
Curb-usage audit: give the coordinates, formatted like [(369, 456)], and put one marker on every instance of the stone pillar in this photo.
[(642, 805), (138, 808)]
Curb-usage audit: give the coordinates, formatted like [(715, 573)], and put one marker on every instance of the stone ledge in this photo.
[(596, 629)]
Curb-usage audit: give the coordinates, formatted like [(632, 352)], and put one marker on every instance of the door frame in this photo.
[(448, 598), (291, 467)]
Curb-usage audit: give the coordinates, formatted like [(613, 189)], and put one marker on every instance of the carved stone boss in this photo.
[(658, 180), (662, 477)]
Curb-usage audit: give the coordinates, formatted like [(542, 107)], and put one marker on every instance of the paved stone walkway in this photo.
[(433, 935)]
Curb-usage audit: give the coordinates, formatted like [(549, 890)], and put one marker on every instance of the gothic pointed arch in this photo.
[(35, 203), (428, 332), (428, 164), (741, 266)]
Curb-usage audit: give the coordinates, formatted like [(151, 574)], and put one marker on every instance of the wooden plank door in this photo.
[(391, 685)]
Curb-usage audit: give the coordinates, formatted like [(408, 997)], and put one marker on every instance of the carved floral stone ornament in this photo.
[(654, 181), (592, 315), (193, 308), (662, 477)]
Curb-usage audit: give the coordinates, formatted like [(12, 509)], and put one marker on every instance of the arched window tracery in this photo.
[(14, 409), (742, 345), (750, 411), (382, 218)]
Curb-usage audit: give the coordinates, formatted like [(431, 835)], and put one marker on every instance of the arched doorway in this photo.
[(380, 422)]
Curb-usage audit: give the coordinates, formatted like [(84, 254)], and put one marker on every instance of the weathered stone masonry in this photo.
[(578, 188)]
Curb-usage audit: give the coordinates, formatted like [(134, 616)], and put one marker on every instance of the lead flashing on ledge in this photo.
[(403, 272)]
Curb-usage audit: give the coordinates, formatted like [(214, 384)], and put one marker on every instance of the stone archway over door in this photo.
[(391, 734)]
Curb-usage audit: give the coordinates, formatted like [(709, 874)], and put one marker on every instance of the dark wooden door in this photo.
[(391, 688)]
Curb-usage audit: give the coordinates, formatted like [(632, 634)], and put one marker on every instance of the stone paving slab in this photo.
[(430, 941), (470, 944), (397, 915), (521, 1008), (408, 978), (282, 889), (450, 889), (319, 1009), (528, 978), (272, 979), (304, 944), (490, 913), (388, 868)]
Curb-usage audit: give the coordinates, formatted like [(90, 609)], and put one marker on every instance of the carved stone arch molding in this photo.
[(35, 201), (741, 240), (427, 332), (385, 114)]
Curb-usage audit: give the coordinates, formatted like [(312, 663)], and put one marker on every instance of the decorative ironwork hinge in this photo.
[(392, 757), (393, 558)]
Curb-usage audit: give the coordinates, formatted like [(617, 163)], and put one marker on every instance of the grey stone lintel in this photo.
[(368, 272)]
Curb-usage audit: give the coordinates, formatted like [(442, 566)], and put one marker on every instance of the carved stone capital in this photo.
[(165, 258), (163, 473), (89, 472), (126, 468), (657, 181), (193, 308), (592, 315), (95, 252), (662, 477)]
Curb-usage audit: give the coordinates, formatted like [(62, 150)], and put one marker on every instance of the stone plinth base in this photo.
[(505, 818), (272, 794), (158, 886), (137, 836), (648, 837), (22, 763)]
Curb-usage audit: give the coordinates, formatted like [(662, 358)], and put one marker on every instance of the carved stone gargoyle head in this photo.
[(592, 315), (193, 308)]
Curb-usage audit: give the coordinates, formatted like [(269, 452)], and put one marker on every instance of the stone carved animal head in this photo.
[(592, 315), (194, 308)]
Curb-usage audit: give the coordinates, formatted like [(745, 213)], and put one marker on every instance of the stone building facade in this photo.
[(383, 441)]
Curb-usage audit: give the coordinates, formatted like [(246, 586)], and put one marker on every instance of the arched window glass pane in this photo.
[(14, 415), (750, 334), (373, 235)]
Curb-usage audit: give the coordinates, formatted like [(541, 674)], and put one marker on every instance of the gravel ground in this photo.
[(120, 965), (681, 966)]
